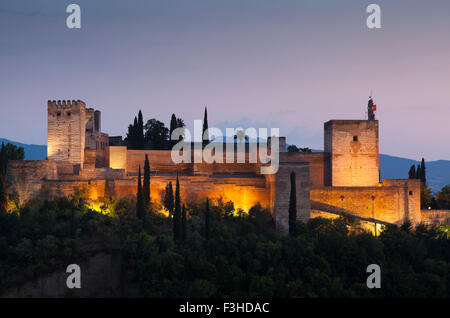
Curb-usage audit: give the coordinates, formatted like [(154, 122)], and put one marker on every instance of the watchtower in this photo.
[(354, 149), (66, 131)]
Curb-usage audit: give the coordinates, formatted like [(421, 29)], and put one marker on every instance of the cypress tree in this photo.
[(140, 131), (135, 134), (168, 198), (418, 172), (173, 126), (107, 194), (140, 198), (205, 137), (423, 176), (183, 224), (146, 184), (292, 205), (177, 214), (207, 221), (412, 172)]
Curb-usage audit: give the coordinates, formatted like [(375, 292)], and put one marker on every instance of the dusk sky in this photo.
[(289, 64)]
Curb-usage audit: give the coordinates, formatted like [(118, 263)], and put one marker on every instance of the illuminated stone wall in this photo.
[(391, 203), (118, 157), (279, 192), (317, 164), (435, 216), (353, 147), (25, 177)]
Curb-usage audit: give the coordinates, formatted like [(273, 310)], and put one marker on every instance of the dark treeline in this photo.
[(154, 134), (221, 252), (7, 152)]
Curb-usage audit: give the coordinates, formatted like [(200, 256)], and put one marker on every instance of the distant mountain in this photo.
[(438, 172), (32, 152)]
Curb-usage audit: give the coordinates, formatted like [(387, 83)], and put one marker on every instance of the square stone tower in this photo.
[(353, 149), (66, 131)]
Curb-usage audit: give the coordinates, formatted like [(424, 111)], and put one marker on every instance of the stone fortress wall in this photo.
[(344, 179)]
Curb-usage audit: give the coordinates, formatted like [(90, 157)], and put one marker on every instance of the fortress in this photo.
[(342, 180)]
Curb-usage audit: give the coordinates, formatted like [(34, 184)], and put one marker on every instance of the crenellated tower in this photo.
[(66, 132)]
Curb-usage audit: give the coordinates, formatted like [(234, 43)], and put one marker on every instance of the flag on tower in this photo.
[(374, 107)]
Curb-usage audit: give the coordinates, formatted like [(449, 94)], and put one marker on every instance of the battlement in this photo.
[(64, 104)]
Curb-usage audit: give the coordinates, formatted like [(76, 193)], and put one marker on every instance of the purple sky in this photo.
[(287, 63)]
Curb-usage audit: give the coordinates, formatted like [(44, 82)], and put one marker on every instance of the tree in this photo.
[(443, 198), (183, 224), (156, 134), (207, 221), (292, 205), (146, 184), (426, 198), (205, 134), (306, 149), (168, 198), (180, 123), (422, 175), (140, 141), (173, 126), (130, 137), (140, 209), (135, 136), (293, 148), (418, 172), (107, 194), (9, 152), (177, 214), (412, 172)]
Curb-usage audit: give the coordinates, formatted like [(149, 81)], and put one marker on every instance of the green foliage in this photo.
[(168, 201), (135, 136), (426, 198), (156, 134), (412, 172), (293, 148), (13, 152), (443, 198), (423, 174), (242, 256)]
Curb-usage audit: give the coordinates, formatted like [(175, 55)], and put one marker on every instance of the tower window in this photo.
[(410, 192), (68, 114), (355, 138), (58, 114)]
